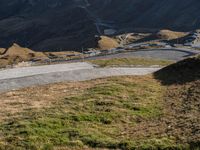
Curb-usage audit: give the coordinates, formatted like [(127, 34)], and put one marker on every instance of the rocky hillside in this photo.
[(49, 25)]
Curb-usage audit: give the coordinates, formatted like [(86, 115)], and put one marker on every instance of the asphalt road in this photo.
[(165, 54), (12, 79), (16, 78), (45, 69)]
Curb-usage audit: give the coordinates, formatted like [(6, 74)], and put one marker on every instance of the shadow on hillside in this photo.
[(187, 70)]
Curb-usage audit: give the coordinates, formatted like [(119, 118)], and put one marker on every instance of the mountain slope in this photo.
[(176, 14), (49, 25), (46, 25)]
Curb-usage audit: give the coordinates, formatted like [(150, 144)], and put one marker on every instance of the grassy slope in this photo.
[(181, 72), (119, 113), (130, 62), (183, 100), (102, 113)]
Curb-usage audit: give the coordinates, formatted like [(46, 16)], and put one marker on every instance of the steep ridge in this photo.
[(49, 25)]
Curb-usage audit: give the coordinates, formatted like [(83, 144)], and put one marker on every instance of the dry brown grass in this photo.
[(17, 51), (2, 50), (182, 112), (15, 102), (107, 43), (40, 97), (16, 54), (170, 35)]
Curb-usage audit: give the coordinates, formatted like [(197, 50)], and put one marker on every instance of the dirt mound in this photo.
[(107, 43), (16, 54), (180, 73), (170, 35), (24, 53)]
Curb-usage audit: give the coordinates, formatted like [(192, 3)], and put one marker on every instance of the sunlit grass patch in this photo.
[(145, 62)]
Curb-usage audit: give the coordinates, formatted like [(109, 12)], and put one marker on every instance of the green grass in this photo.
[(101, 116), (130, 62), (115, 113)]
